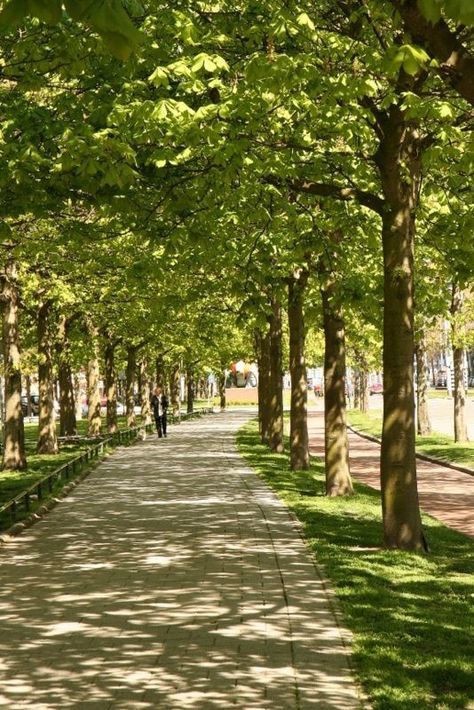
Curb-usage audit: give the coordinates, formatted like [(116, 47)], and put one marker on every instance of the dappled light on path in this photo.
[(171, 578)]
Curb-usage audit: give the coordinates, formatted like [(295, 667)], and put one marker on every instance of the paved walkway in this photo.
[(171, 578), (444, 493)]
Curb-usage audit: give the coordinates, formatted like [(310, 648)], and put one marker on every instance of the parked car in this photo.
[(376, 388), (34, 403)]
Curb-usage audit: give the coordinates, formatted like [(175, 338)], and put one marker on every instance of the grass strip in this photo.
[(438, 445), (412, 616)]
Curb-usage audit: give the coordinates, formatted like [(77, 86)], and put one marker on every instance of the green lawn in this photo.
[(412, 616), (438, 445)]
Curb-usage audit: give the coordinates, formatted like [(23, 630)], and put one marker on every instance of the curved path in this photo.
[(444, 493), (171, 578)]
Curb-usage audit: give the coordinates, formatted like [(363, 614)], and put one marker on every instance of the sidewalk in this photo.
[(172, 578), (444, 493)]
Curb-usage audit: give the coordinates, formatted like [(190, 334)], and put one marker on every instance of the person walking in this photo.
[(159, 402)]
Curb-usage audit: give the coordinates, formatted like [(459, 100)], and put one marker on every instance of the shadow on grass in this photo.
[(412, 616)]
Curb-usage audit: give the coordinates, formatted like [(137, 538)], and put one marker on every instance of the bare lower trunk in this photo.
[(299, 444), (399, 162), (14, 458), (110, 386), (263, 346), (130, 385), (47, 437), (174, 389), (29, 411), (93, 394), (423, 417), (338, 477), (190, 390), (364, 391), (67, 404), (221, 385), (160, 373), (459, 393), (145, 393), (460, 426), (357, 397), (276, 381)]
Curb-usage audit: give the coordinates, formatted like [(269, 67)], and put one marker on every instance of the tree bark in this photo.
[(160, 373), (364, 390), (174, 389), (336, 450), (67, 404), (263, 348), (422, 413), (14, 458), (190, 389), (299, 444), (47, 437), (145, 393), (276, 380), (456, 63), (29, 411), (130, 385), (459, 394), (93, 394), (110, 385), (357, 390), (221, 385), (399, 163)]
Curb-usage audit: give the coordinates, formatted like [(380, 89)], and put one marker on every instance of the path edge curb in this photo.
[(422, 457)]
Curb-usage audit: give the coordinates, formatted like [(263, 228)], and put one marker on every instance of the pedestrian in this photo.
[(159, 402)]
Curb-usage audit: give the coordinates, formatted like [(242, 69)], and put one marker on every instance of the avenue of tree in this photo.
[(183, 186)]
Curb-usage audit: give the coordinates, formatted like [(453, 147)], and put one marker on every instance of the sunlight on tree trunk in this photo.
[(299, 445), (67, 405), (275, 441), (13, 429), (145, 393), (131, 372), (263, 350), (110, 385), (174, 389), (47, 438), (93, 394), (459, 394), (336, 443), (422, 413)]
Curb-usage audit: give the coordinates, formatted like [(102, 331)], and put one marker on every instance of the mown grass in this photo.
[(412, 616), (438, 445)]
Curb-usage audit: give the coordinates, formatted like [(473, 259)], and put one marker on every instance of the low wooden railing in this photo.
[(68, 470)]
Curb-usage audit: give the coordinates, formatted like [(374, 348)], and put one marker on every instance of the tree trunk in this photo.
[(29, 411), (160, 373), (398, 159), (47, 437), (77, 398), (459, 394), (299, 445), (190, 389), (145, 393), (357, 397), (110, 386), (93, 394), (67, 404), (336, 450), (276, 380), (14, 458), (263, 344), (174, 389), (222, 394), (423, 417), (364, 390), (130, 385)]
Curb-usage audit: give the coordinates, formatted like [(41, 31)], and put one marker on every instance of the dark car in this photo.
[(34, 404)]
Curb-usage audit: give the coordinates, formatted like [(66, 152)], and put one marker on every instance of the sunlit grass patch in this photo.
[(412, 616), (438, 445)]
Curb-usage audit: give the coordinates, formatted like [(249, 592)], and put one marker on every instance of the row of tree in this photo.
[(244, 158)]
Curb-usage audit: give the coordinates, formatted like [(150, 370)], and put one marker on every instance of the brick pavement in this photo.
[(171, 578), (444, 493)]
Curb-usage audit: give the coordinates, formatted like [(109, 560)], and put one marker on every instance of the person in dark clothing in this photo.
[(159, 402)]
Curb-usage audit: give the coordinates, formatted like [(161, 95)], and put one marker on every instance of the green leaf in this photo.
[(430, 9)]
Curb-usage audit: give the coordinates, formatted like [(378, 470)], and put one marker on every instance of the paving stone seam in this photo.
[(331, 597)]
